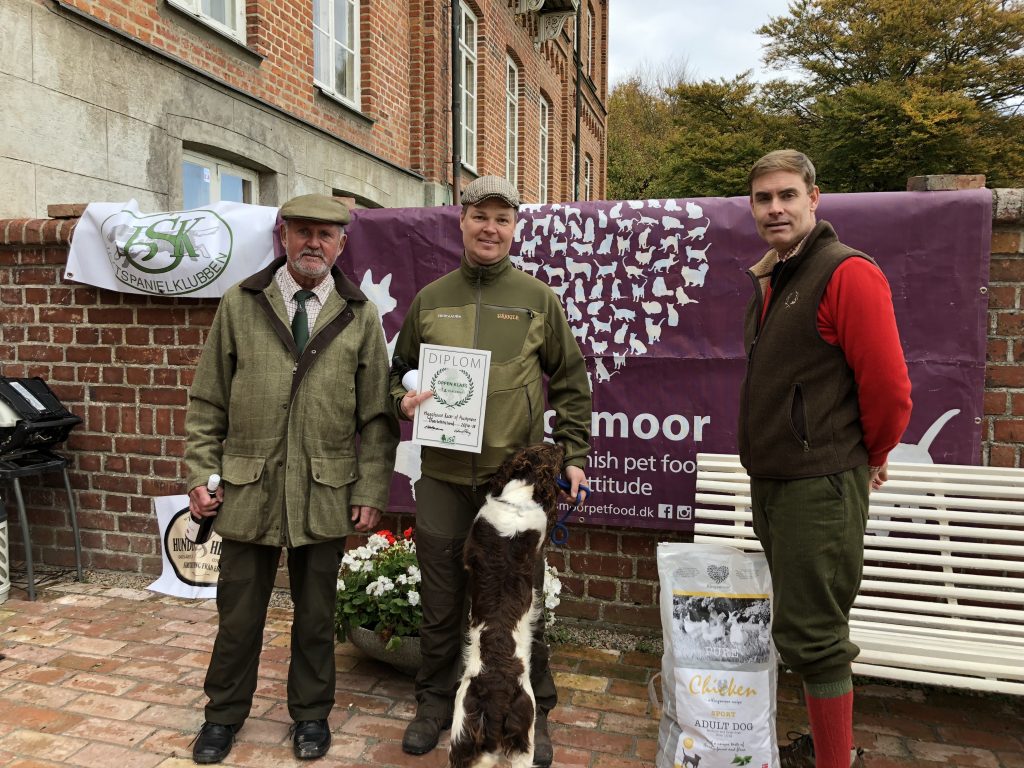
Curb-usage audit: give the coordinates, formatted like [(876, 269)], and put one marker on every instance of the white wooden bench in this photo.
[(942, 599)]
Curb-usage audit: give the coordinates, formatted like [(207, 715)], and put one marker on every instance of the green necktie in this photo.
[(300, 322)]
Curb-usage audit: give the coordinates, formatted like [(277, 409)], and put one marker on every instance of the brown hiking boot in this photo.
[(799, 753)]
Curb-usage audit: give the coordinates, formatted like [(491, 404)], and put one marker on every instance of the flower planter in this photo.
[(405, 658)]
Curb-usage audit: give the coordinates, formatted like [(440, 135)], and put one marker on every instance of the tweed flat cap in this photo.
[(316, 208), (490, 186)]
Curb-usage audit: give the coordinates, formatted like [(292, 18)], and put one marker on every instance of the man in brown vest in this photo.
[(825, 398)]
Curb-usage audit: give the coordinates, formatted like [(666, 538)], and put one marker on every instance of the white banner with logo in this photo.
[(189, 571), (198, 253)]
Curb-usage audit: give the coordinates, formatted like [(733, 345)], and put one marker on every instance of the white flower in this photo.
[(402, 579), (379, 586), (414, 597), (414, 574), (341, 585), (552, 589)]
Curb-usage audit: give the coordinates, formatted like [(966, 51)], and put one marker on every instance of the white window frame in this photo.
[(544, 150), (511, 121), (235, 29), (588, 178), (217, 167), (469, 27), (351, 52)]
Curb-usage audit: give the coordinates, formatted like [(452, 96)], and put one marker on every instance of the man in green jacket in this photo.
[(294, 368), (485, 304)]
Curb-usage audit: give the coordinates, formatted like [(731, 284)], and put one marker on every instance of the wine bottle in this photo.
[(199, 529)]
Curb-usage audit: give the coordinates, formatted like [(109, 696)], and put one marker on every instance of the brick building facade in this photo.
[(260, 100)]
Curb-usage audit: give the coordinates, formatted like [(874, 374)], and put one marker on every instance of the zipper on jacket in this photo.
[(750, 353), (476, 341), (529, 312)]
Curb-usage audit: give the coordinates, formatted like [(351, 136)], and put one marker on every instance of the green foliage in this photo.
[(724, 127), (889, 89), (971, 47), (639, 126)]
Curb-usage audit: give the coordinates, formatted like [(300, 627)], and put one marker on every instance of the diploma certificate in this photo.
[(454, 417)]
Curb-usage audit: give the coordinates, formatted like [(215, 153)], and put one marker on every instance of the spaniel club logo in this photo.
[(167, 254)]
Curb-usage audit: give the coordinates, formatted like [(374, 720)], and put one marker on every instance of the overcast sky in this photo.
[(712, 38)]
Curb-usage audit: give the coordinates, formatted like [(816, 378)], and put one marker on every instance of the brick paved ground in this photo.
[(104, 677)]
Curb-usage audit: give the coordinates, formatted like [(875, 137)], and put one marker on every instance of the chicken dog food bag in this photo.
[(718, 672)]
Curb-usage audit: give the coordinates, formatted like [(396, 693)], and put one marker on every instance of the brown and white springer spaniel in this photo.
[(494, 706)]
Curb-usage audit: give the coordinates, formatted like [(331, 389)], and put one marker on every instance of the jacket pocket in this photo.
[(509, 419), (798, 416), (241, 514), (327, 515)]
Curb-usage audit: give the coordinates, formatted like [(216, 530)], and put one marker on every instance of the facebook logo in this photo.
[(665, 511)]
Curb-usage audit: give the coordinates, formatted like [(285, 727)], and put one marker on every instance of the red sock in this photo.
[(832, 729)]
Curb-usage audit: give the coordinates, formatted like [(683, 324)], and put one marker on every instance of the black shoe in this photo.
[(421, 734), (311, 739), (543, 753), (214, 742)]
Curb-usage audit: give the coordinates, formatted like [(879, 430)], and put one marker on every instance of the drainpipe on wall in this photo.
[(456, 101), (579, 101)]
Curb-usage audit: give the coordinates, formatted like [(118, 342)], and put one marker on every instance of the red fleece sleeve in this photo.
[(856, 313)]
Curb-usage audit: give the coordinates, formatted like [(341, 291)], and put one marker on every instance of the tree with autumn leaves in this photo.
[(885, 89)]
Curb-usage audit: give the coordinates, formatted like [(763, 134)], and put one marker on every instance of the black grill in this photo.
[(31, 417)]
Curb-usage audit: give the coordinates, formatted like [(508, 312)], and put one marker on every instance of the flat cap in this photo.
[(491, 186), (316, 208)]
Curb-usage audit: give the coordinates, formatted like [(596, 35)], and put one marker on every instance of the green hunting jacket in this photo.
[(521, 321), (281, 430)]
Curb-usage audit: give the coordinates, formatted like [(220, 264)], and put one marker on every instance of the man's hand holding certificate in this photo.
[(452, 398)]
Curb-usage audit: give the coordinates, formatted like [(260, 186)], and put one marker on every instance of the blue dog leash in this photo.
[(560, 531)]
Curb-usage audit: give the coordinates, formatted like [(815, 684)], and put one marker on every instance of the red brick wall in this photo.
[(124, 364), (1003, 430), (405, 78)]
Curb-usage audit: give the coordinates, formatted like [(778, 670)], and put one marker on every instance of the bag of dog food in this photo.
[(718, 671)]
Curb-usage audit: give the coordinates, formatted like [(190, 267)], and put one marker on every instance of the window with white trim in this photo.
[(511, 121), (225, 16), (206, 180), (544, 156), (588, 179), (467, 68), (336, 48)]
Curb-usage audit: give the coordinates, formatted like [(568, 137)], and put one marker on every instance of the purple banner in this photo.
[(655, 292)]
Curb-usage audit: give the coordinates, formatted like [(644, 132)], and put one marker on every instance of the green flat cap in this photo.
[(316, 208), (491, 186)]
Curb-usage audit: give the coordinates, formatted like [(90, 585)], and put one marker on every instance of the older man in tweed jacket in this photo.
[(295, 368)]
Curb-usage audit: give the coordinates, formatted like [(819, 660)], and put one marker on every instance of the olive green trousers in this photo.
[(246, 579), (812, 531)]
